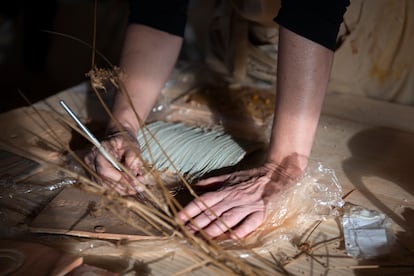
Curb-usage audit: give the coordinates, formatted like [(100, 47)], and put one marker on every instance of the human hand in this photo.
[(124, 148), (241, 202)]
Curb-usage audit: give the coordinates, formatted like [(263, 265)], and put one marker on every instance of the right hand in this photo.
[(242, 201), (125, 149)]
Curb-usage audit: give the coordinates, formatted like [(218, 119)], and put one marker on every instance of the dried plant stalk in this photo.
[(159, 216)]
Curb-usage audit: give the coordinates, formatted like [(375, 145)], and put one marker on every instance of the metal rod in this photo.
[(91, 136)]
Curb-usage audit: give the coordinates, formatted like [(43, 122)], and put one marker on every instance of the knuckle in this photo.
[(227, 216), (215, 230), (109, 174), (210, 214)]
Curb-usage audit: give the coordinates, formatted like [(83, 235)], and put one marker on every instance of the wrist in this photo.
[(126, 114), (125, 117), (115, 128), (289, 167)]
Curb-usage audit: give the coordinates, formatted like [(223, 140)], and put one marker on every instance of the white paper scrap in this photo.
[(365, 233)]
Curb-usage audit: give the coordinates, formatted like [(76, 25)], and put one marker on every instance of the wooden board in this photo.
[(373, 154), (26, 258), (72, 212), (369, 112), (37, 135), (15, 166)]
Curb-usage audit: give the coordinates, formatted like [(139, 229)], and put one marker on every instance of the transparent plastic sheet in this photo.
[(124, 256), (10, 189), (21, 200), (181, 81), (140, 248), (316, 196)]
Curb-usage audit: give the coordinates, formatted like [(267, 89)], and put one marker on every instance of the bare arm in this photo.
[(148, 58), (303, 73)]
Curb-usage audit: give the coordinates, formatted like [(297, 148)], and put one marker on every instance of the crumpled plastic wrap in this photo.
[(316, 196), (181, 81), (10, 189)]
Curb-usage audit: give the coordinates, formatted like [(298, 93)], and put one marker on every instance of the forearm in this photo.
[(303, 73), (148, 58)]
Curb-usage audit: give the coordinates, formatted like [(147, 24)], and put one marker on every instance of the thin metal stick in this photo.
[(91, 136)]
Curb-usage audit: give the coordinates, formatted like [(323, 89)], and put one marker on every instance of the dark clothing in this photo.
[(317, 20), (166, 15)]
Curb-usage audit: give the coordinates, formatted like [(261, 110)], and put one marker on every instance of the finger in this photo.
[(119, 186), (90, 159), (197, 206), (133, 185), (108, 176), (213, 180), (227, 221), (132, 162), (106, 170), (108, 185), (139, 184), (211, 214), (122, 187), (250, 224), (205, 218), (90, 162), (116, 144)]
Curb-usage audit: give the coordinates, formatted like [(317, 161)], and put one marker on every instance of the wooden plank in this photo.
[(37, 135), (358, 138), (369, 111), (15, 166), (27, 258), (74, 212)]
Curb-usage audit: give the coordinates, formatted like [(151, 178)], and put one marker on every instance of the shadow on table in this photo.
[(388, 154)]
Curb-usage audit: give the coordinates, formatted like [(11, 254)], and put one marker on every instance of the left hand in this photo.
[(240, 204)]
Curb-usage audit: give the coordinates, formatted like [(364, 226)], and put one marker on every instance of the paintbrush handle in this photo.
[(93, 139)]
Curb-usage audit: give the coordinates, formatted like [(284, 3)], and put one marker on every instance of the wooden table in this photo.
[(369, 144)]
